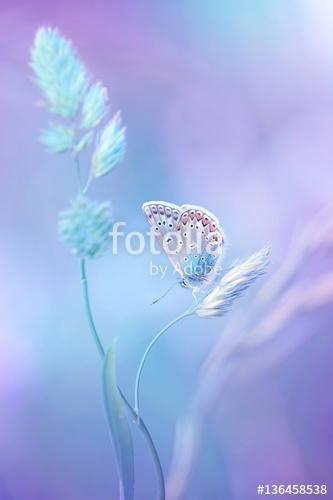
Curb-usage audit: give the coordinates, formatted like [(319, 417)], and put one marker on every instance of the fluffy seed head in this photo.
[(86, 227)]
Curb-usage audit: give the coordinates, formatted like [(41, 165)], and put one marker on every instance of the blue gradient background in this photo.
[(228, 105)]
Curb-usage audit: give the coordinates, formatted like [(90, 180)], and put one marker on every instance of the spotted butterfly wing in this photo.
[(200, 240), (163, 218), (190, 236)]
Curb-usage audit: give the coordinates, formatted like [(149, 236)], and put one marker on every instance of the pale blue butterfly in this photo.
[(191, 237)]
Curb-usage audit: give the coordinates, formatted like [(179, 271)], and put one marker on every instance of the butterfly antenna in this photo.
[(165, 293)]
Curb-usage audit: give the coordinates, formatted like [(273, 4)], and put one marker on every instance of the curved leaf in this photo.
[(119, 426)]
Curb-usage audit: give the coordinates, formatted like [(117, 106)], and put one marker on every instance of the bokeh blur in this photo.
[(228, 105)]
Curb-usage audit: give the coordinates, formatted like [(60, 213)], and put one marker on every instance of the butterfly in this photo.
[(190, 236)]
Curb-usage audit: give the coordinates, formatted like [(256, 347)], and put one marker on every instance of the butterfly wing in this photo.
[(200, 242), (163, 218)]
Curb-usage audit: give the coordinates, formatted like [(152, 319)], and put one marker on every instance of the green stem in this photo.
[(158, 467), (144, 357), (78, 173), (140, 423), (90, 317), (85, 189)]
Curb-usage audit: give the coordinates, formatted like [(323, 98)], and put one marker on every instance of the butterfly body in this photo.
[(190, 236)]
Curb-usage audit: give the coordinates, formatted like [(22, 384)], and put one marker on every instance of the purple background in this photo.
[(228, 105)]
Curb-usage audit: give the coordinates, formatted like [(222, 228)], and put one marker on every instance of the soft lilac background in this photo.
[(227, 105)]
